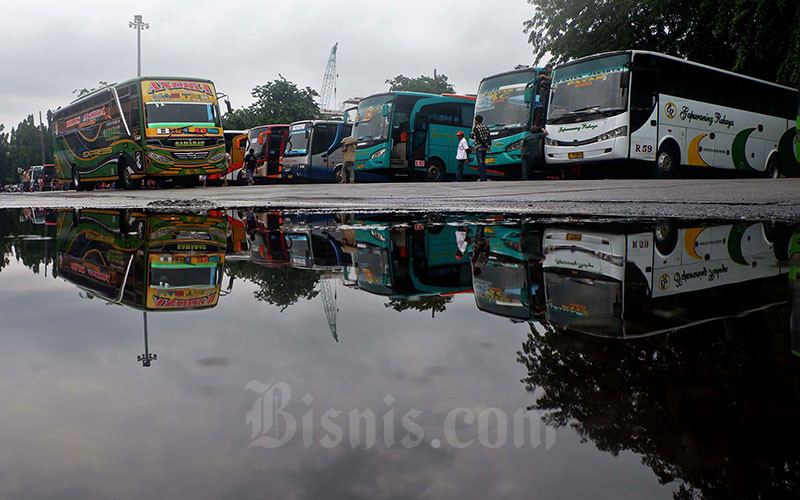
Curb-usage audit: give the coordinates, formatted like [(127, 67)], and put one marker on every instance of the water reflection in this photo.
[(678, 341)]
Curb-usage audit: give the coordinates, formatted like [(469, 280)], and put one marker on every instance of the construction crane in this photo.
[(329, 302), (329, 82)]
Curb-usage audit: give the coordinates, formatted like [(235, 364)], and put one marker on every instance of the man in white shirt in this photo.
[(461, 154)]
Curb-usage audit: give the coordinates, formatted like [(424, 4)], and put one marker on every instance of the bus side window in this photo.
[(467, 114)]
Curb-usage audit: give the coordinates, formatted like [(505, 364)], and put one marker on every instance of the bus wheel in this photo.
[(240, 178), (435, 172), (338, 175), (76, 179), (666, 235), (125, 174), (772, 171), (666, 162)]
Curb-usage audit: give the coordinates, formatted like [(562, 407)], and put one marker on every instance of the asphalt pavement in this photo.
[(694, 198)]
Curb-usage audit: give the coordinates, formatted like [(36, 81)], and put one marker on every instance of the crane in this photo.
[(329, 82), (329, 303)]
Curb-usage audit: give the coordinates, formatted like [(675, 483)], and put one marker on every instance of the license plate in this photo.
[(573, 156), (419, 163), (489, 161), (290, 176), (573, 237), (193, 171)]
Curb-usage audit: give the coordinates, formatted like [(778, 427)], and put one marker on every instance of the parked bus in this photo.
[(145, 260), (410, 134), (666, 112), (269, 148), (634, 281), (229, 136), (148, 127), (313, 151), (509, 104)]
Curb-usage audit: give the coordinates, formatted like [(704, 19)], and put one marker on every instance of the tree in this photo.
[(434, 304), (437, 84), (760, 39), (279, 286), (278, 101)]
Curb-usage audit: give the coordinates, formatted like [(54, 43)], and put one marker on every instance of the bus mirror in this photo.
[(228, 105), (385, 110), (307, 134), (625, 80), (528, 94)]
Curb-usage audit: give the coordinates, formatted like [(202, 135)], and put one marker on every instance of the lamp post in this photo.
[(148, 356), (138, 25)]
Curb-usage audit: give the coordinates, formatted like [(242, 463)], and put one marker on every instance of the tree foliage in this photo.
[(278, 101), (434, 304), (279, 286), (761, 39), (431, 85), (22, 147)]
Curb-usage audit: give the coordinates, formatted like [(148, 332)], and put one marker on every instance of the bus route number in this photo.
[(643, 148)]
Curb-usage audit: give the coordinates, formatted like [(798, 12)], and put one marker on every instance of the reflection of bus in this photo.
[(144, 127), (508, 102), (643, 280), (401, 261), (411, 134), (508, 284), (313, 151), (149, 261), (268, 243), (317, 248), (668, 112)]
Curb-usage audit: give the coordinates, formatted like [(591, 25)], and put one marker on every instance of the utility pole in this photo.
[(41, 140), (138, 25)]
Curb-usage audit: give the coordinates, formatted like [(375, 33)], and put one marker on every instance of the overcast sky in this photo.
[(49, 48)]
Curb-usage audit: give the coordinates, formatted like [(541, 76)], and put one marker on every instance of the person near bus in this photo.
[(544, 82), (480, 134), (461, 154), (26, 181), (532, 151), (250, 166)]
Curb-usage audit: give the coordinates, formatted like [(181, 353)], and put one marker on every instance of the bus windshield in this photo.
[(179, 276), (181, 114), (582, 299), (501, 289), (591, 88), (501, 100), (299, 135), (371, 124)]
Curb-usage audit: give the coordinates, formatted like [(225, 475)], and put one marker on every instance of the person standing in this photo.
[(461, 154), (480, 134), (532, 150), (26, 181), (545, 81), (250, 166)]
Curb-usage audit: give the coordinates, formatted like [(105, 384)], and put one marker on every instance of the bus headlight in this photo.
[(159, 158), (514, 146), (549, 141), (217, 157), (611, 134), (377, 154)]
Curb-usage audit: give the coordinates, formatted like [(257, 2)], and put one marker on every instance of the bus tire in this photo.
[(338, 175), (666, 162), (240, 178), (125, 174), (666, 236), (76, 179), (772, 171), (435, 171)]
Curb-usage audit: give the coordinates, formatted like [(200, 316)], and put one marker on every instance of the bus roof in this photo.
[(317, 122), (678, 59), (511, 72), (400, 92)]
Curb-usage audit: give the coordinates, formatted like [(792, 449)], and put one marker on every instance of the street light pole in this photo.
[(138, 25)]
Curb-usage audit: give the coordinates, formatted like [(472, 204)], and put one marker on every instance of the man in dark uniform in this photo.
[(532, 151)]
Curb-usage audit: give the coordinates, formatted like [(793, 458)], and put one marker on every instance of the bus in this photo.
[(229, 136), (410, 134), (662, 112), (147, 127), (271, 145), (509, 104), (638, 280), (145, 260), (313, 151)]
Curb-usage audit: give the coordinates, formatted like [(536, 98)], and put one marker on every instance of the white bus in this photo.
[(665, 112), (635, 281)]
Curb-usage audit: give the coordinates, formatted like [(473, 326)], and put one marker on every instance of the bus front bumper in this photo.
[(611, 149)]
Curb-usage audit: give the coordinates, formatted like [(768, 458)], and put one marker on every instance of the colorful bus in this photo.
[(145, 260), (229, 136), (410, 134), (663, 112), (158, 127), (645, 279), (313, 151), (509, 104)]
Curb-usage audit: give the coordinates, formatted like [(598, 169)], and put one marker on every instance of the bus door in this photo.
[(275, 146), (419, 141), (335, 154), (643, 87), (238, 146), (323, 138)]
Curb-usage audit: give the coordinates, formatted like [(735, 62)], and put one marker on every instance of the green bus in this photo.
[(410, 134), (145, 260), (148, 127), (509, 104)]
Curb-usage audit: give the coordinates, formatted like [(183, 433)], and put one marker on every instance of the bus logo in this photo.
[(664, 282), (670, 110)]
